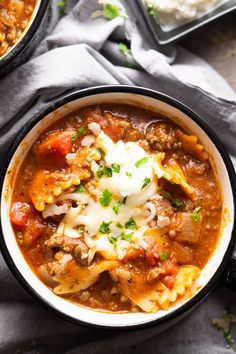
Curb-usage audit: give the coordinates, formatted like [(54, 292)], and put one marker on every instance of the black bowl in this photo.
[(28, 42), (142, 97)]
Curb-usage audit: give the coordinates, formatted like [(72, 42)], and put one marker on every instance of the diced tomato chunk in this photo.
[(115, 127), (112, 126), (153, 253), (19, 214), (115, 132), (57, 144), (95, 117), (34, 230), (170, 266), (168, 280), (24, 218)]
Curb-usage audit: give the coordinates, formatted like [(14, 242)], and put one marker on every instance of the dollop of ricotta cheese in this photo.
[(134, 164), (174, 12)]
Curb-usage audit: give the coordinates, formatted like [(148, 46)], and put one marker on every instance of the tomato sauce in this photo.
[(14, 18), (194, 226)]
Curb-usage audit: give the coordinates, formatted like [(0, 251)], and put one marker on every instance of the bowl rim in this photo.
[(27, 36), (196, 299)]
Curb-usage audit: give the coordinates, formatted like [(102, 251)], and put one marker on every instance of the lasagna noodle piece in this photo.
[(81, 162), (172, 172), (190, 144), (46, 186), (156, 296), (73, 277)]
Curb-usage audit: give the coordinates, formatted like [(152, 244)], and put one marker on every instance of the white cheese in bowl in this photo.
[(130, 178), (116, 209), (172, 13)]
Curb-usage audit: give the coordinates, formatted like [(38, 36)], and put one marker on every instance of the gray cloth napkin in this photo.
[(81, 52)]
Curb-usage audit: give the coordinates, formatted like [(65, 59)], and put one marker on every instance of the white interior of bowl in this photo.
[(85, 314), (38, 2)]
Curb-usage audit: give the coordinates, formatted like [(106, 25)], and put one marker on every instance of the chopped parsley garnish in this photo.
[(153, 12), (108, 171), (130, 224), (163, 256), (101, 152), (119, 225), (111, 11), (77, 134), (146, 182), (115, 168), (141, 162), (80, 230), (81, 189), (104, 227), (113, 241), (100, 171), (78, 253), (62, 6), (176, 202), (224, 324), (127, 237), (124, 200), (229, 338), (116, 207), (124, 49), (105, 198), (128, 174), (195, 214)]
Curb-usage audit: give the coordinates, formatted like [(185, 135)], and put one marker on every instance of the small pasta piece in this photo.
[(46, 186), (148, 302), (73, 277), (184, 280), (131, 283), (190, 144), (80, 162), (172, 172)]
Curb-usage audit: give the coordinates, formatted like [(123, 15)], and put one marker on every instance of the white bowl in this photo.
[(146, 99)]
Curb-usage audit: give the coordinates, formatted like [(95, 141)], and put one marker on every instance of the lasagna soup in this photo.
[(117, 208), (14, 18)]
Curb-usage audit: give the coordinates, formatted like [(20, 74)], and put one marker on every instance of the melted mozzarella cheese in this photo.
[(94, 215), (127, 183), (130, 179)]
